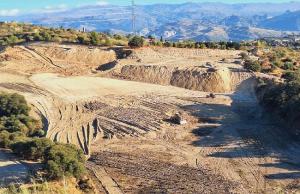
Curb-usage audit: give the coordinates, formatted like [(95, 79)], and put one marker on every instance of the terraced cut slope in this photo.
[(120, 117)]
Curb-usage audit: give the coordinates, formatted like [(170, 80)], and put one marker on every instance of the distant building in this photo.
[(292, 40)]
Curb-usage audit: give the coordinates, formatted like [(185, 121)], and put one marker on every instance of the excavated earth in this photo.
[(116, 104)]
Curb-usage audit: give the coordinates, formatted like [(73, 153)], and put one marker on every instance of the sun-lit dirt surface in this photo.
[(228, 144)]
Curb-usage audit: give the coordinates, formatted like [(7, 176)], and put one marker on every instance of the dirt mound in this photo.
[(195, 53), (147, 53), (54, 58), (195, 69), (151, 74), (208, 80), (202, 79), (68, 54), (181, 57)]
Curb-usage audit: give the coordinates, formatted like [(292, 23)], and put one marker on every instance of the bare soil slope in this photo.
[(195, 69), (48, 57), (226, 146)]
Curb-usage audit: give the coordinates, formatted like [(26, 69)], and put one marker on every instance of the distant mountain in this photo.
[(198, 21), (289, 21)]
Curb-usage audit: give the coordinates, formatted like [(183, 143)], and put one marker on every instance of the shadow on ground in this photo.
[(11, 171), (243, 131)]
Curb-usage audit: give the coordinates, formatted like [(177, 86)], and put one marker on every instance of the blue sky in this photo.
[(13, 7)]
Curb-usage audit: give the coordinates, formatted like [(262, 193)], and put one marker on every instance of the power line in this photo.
[(133, 17)]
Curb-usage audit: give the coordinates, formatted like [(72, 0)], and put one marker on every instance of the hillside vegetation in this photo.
[(24, 136), (15, 33), (271, 60), (18, 33), (283, 100)]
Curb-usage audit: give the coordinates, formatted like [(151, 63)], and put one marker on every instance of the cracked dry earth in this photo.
[(228, 145)]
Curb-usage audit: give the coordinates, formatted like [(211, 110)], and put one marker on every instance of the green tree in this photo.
[(12, 39), (14, 114), (13, 104), (46, 36), (136, 41), (202, 46), (252, 65), (34, 149), (288, 66), (4, 139), (81, 39), (292, 76), (94, 36), (64, 160), (161, 39)]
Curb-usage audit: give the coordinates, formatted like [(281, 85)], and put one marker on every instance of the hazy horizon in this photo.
[(15, 7)]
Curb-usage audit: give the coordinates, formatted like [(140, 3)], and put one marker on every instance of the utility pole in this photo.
[(133, 17)]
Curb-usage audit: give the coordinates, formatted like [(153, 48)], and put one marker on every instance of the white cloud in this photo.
[(98, 2), (102, 3), (9, 12), (61, 7)]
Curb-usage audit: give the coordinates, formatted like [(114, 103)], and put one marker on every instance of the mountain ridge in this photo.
[(198, 21)]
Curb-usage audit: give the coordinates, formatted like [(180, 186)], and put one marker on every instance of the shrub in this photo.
[(244, 56), (38, 37), (278, 63), (252, 65), (158, 43), (12, 124), (4, 139), (136, 41), (12, 39), (32, 149), (284, 100), (202, 46), (14, 115), (64, 160), (167, 44), (15, 128), (20, 123), (38, 147), (21, 148), (288, 66), (94, 37), (13, 104), (46, 36), (292, 76)]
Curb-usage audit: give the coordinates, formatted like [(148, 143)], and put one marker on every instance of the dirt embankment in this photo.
[(195, 69), (161, 54), (202, 79), (54, 58)]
